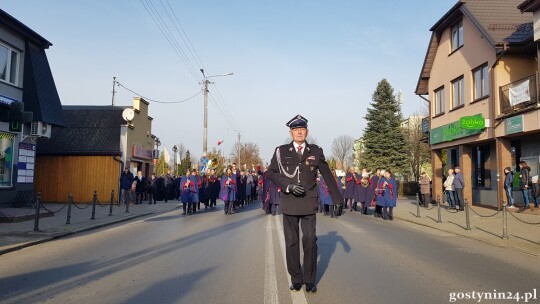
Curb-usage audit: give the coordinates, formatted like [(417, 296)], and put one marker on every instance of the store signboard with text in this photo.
[(466, 126)]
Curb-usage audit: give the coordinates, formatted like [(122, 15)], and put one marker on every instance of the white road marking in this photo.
[(270, 281), (298, 297)]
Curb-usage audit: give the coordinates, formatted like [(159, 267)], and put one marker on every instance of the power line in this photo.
[(157, 101)]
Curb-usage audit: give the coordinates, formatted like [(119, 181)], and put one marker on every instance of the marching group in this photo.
[(378, 189), (238, 187)]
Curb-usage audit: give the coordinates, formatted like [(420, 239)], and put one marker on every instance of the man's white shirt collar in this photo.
[(296, 146)]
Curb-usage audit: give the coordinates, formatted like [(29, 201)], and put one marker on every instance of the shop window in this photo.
[(482, 167), (6, 159)]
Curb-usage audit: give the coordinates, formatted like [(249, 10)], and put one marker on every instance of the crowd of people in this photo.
[(360, 191)]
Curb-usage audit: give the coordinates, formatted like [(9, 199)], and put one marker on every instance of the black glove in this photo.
[(297, 189)]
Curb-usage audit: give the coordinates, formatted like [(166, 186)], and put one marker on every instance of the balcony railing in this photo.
[(523, 96)]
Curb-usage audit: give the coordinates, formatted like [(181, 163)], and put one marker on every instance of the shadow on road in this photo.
[(34, 286), (327, 245), (170, 290)]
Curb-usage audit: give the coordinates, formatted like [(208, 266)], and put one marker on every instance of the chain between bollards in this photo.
[(417, 204), (70, 201), (94, 202), (111, 204), (467, 219), (439, 209), (38, 205), (505, 221)]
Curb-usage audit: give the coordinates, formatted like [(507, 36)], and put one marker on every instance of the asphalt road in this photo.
[(217, 258)]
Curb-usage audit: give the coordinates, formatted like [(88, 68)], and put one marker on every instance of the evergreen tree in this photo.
[(384, 141), (185, 164), (161, 165)]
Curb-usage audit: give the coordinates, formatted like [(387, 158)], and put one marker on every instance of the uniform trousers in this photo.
[(291, 225)]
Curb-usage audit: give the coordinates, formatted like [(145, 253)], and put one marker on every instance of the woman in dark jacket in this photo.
[(524, 182), (153, 189)]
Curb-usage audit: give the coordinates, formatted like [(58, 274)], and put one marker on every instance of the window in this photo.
[(9, 64), (458, 96), (481, 82), (6, 159), (457, 35), (439, 101)]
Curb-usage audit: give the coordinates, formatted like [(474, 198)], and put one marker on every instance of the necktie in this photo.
[(299, 151)]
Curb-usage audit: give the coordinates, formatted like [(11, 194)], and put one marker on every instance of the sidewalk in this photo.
[(523, 228), (18, 235)]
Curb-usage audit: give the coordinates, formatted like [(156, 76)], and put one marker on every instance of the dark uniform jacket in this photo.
[(312, 160)]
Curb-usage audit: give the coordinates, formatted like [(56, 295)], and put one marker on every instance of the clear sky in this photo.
[(321, 59)]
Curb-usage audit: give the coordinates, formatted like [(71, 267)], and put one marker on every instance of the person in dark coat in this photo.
[(188, 189), (372, 192), (508, 186), (140, 188), (293, 168), (389, 195), (360, 193), (241, 189), (228, 190), (459, 184), (126, 181), (350, 186), (274, 198), (168, 183), (153, 189), (524, 182)]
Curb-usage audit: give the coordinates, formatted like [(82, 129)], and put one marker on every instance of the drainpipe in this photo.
[(491, 130)]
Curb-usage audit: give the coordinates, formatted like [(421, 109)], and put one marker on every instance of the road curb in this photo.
[(470, 237), (66, 234)]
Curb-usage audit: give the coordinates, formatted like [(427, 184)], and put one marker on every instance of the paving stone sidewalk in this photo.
[(18, 235), (523, 226)]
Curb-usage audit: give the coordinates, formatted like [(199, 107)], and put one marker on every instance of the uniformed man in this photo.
[(294, 169)]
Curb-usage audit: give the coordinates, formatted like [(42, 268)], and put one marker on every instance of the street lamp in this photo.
[(205, 84), (175, 149)]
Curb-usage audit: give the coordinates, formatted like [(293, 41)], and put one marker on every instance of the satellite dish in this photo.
[(128, 114)]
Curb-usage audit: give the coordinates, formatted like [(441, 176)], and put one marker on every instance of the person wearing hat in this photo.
[(294, 169)]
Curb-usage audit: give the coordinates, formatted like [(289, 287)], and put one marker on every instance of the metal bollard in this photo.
[(127, 203), (70, 201), (38, 206), (417, 205), (505, 221), (112, 201), (94, 202), (467, 219), (439, 209)]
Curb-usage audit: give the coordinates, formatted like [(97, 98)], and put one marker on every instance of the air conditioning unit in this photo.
[(40, 129), (155, 153)]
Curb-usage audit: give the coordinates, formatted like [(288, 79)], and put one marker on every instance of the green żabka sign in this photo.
[(466, 126)]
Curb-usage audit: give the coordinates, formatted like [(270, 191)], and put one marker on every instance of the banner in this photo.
[(519, 93)]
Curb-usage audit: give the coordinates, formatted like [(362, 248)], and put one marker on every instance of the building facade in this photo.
[(29, 106), (480, 76)]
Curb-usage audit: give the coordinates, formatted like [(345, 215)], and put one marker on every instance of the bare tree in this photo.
[(419, 151), (249, 154), (310, 139), (342, 148)]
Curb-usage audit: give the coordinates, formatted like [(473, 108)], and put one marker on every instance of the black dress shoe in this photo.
[(310, 287), (296, 286)]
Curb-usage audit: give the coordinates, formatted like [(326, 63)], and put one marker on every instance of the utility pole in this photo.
[(113, 91), (205, 88), (239, 149), (205, 132)]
